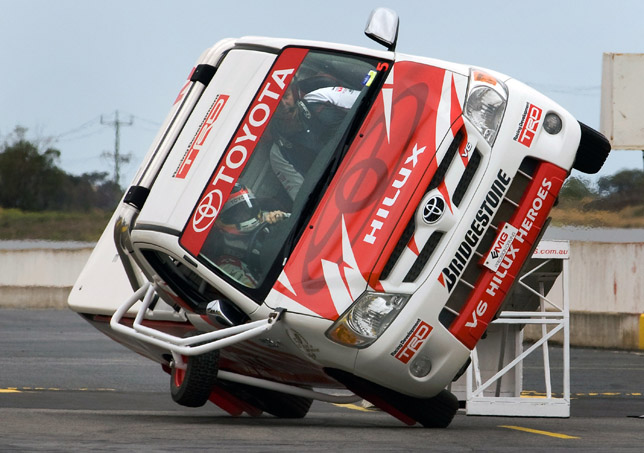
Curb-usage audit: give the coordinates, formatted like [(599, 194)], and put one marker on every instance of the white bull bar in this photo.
[(210, 341), (189, 346)]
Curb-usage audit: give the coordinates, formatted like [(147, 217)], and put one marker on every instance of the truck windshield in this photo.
[(283, 179)]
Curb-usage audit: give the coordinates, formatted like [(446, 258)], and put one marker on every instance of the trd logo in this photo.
[(200, 138), (407, 350), (530, 125)]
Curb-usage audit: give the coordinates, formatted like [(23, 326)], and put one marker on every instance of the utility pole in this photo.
[(116, 155)]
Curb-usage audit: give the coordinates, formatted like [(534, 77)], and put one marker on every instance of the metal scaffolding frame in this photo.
[(479, 400)]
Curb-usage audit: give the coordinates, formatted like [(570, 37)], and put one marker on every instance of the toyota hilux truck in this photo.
[(319, 221)]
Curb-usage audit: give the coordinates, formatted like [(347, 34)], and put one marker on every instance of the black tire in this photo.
[(279, 404), (435, 412), (191, 387), (592, 152), (282, 405)]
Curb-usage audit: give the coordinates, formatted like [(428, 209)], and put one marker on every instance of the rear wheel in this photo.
[(191, 387), (281, 404), (275, 403)]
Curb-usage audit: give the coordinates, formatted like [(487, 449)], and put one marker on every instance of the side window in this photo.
[(189, 286)]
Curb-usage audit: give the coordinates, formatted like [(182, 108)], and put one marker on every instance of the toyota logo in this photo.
[(433, 210), (207, 211)]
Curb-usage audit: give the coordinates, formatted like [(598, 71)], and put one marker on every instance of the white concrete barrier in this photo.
[(606, 285), (37, 274), (607, 277), (606, 295)]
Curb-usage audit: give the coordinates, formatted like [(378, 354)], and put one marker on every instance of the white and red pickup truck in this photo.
[(317, 216)]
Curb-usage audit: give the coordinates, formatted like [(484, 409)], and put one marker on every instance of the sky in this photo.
[(68, 66)]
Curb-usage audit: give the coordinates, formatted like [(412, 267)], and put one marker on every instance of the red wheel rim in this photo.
[(179, 374)]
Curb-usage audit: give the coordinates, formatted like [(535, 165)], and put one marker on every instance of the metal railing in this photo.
[(550, 315), (209, 341)]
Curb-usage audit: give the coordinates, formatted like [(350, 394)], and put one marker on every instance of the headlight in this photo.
[(367, 319), (485, 104)]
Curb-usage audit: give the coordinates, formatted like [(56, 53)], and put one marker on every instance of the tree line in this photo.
[(30, 180), (610, 193)]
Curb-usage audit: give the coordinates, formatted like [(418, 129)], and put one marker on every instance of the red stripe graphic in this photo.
[(492, 286)]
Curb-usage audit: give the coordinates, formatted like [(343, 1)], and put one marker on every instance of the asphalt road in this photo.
[(66, 387)]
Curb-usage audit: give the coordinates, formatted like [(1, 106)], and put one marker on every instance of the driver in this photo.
[(302, 125), (236, 226)]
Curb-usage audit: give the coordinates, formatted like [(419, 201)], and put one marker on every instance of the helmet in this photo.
[(241, 213)]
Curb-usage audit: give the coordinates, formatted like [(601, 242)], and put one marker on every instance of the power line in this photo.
[(145, 120), (77, 129), (77, 137)]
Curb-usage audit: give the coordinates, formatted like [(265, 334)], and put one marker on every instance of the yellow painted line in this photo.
[(537, 395), (536, 431), (355, 407), (642, 331), (51, 389)]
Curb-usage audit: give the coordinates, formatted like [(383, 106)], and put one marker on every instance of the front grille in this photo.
[(473, 270), (400, 247), (424, 256), (466, 179), (432, 243), (439, 176)]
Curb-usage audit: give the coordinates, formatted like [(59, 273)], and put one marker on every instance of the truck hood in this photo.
[(375, 192)]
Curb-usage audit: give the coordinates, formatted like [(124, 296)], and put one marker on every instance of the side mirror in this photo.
[(382, 27)]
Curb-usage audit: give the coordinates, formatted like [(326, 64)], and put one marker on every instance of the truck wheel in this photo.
[(191, 387), (281, 404), (436, 412), (275, 403), (592, 152)]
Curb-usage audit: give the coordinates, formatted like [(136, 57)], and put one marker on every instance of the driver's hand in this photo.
[(275, 216)]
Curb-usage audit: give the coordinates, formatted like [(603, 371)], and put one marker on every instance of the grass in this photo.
[(571, 214), (52, 226), (88, 226)]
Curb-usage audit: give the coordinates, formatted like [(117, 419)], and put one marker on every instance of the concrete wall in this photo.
[(606, 288), (607, 277), (606, 296), (599, 330), (39, 277)]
